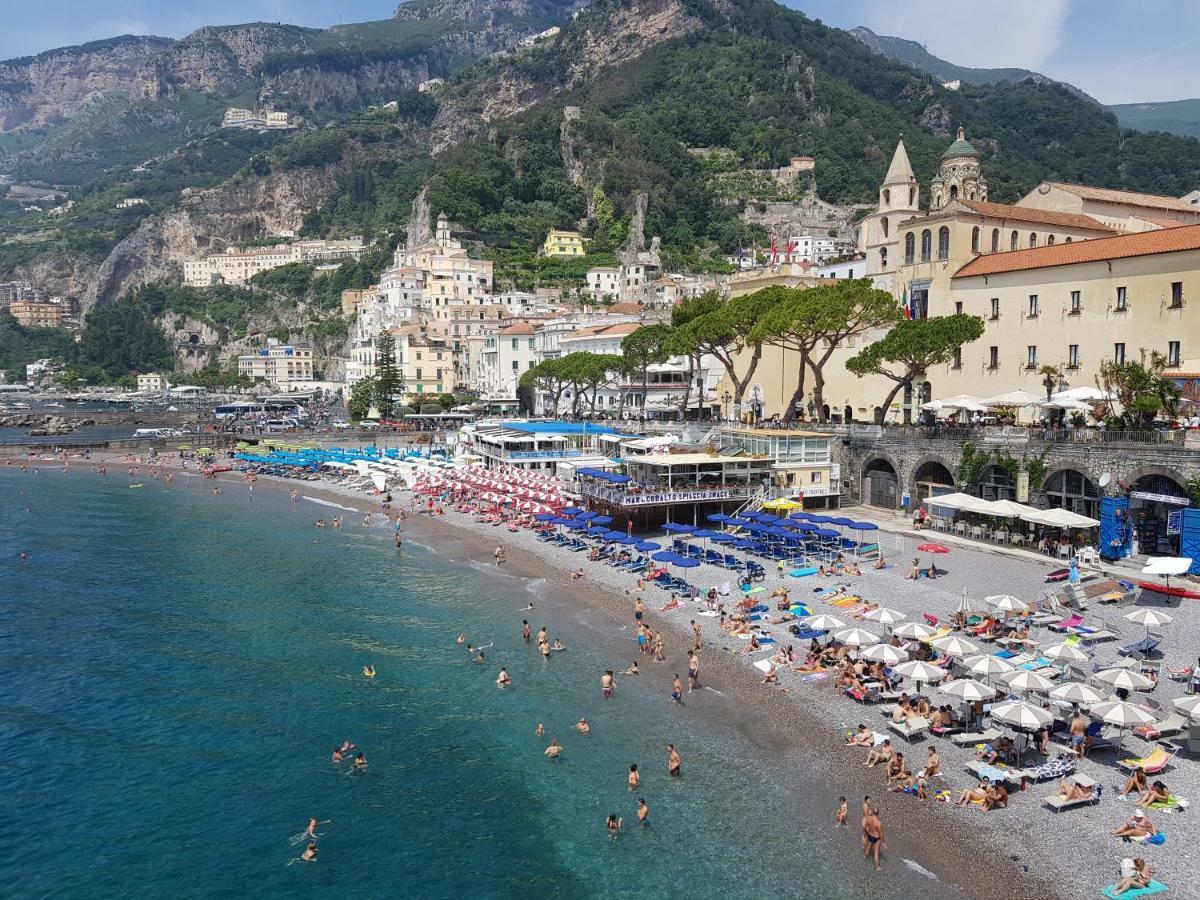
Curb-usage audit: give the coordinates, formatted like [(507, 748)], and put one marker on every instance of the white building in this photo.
[(152, 383), (278, 364), (507, 355), (604, 283), (236, 266)]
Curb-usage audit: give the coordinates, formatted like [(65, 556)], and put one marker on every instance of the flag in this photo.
[(904, 303), (791, 249)]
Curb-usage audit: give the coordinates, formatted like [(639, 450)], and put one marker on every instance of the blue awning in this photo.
[(610, 477)]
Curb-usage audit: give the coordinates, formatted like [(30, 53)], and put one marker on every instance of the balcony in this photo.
[(633, 497)]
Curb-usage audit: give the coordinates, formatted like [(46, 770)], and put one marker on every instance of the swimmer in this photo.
[(553, 750), (634, 778), (525, 630), (643, 811), (337, 756), (310, 852), (606, 685), (310, 833), (540, 730), (525, 608), (461, 639), (347, 746), (479, 656), (368, 671), (502, 679), (582, 726), (674, 762), (632, 670), (544, 649), (360, 761), (613, 824), (557, 645)]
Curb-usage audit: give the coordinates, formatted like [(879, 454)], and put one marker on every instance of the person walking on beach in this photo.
[(525, 632), (699, 641), (674, 762), (606, 685), (693, 671), (873, 832), (676, 689), (634, 779), (659, 646), (639, 610), (498, 553)]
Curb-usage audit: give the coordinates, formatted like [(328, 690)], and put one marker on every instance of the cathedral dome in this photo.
[(960, 147)]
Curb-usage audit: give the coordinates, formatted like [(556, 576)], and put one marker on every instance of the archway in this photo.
[(1073, 490), (880, 484), (995, 484), (931, 477), (1155, 500)]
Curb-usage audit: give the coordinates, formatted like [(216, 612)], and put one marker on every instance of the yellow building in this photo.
[(34, 314), (563, 243), (426, 363)]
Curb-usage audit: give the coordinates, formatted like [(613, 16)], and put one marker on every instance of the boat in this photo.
[(1170, 590)]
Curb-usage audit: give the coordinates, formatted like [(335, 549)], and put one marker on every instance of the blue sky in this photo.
[(1117, 51)]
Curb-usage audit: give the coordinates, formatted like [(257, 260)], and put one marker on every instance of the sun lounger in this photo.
[(1068, 623), (911, 728), (1058, 803), (1156, 887), (1158, 760), (1058, 768), (1172, 724), (1094, 635), (993, 773), (1146, 645), (966, 738)]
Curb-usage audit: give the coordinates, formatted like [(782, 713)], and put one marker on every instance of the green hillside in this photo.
[(1175, 116)]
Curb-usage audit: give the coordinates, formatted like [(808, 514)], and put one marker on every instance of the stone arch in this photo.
[(1061, 490), (995, 483), (1161, 471), (880, 485), (927, 471)]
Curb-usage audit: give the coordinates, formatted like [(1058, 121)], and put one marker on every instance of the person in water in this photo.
[(310, 852), (360, 761), (674, 762), (582, 726), (502, 679), (540, 730), (643, 811), (337, 756), (634, 778), (369, 671), (613, 824), (553, 750)]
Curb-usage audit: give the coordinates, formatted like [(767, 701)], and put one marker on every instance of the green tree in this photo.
[(910, 348), (641, 349), (362, 395), (815, 322), (691, 308), (1141, 389), (587, 373), (550, 377), (727, 333), (387, 375)]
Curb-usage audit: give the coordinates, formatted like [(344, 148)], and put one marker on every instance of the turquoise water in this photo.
[(175, 668)]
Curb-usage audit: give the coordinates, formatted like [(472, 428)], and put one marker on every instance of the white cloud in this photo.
[(1022, 33)]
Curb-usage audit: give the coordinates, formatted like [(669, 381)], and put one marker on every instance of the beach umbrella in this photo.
[(684, 563), (885, 653), (914, 630), (1006, 603), (625, 539), (799, 515), (822, 622), (782, 503), (602, 520), (842, 522), (987, 665), (744, 545), (719, 517), (931, 547), (885, 616), (545, 517), (1124, 678), (1148, 616), (1064, 653), (768, 519), (1076, 692), (920, 671), (664, 556), (804, 528), (676, 528), (968, 689), (586, 515), (612, 535), (1021, 715), (1024, 681), (572, 511), (826, 533), (855, 637), (597, 531), (577, 525), (647, 545), (703, 534), (1121, 713), (738, 523), (953, 645), (725, 539), (1189, 706), (562, 520)]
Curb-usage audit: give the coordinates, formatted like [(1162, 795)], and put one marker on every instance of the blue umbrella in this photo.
[(562, 520), (685, 563), (648, 545), (719, 517), (843, 521), (826, 533), (586, 515), (663, 556), (865, 526), (572, 511), (755, 528), (741, 523), (602, 520), (816, 518), (702, 534), (577, 525), (744, 545), (799, 515), (725, 539), (676, 527), (625, 539), (598, 531), (804, 528), (545, 517), (613, 535)]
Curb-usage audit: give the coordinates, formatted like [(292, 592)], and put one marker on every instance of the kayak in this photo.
[(1169, 589)]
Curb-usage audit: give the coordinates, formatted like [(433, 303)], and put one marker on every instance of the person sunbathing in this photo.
[(771, 676), (812, 663), (853, 569), (900, 711), (864, 737), (933, 762), (976, 794), (1136, 783), (879, 754), (1156, 793), (752, 645), (996, 797), (674, 603), (880, 563), (1136, 875), (988, 753), (1137, 827), (1072, 792)]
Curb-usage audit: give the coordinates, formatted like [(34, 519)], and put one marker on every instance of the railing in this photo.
[(540, 454), (1104, 436), (652, 497)]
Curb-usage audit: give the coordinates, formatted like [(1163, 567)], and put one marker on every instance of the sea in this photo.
[(177, 666)]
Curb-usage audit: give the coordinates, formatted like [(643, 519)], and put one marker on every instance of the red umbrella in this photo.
[(933, 548)]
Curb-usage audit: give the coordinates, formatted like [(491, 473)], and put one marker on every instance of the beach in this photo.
[(1014, 852)]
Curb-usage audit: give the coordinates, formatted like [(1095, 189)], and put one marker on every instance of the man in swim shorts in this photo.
[(606, 685), (674, 762)]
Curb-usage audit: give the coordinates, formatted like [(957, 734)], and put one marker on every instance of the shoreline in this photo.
[(921, 838)]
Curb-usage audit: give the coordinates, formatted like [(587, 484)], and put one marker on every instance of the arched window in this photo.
[(975, 239), (954, 192), (887, 197), (943, 243), (884, 224), (1067, 241), (926, 245), (912, 197), (910, 243), (883, 257), (1012, 241), (995, 240), (971, 194), (1050, 241), (1033, 239)]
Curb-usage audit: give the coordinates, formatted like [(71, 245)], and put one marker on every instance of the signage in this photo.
[(1175, 521), (1160, 498), (1022, 487), (676, 497)]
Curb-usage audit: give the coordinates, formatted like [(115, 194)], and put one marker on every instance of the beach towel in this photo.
[(763, 665), (708, 613), (1156, 887), (1171, 802)]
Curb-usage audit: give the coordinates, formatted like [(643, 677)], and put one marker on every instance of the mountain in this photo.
[(1175, 116), (914, 54)]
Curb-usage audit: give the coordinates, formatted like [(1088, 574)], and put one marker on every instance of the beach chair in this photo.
[(1146, 645), (1072, 621), (967, 738), (1058, 803), (1153, 764), (1090, 635), (911, 728), (1172, 724), (1058, 768)]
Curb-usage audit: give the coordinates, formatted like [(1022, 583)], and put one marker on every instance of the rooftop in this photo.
[(561, 428), (1029, 214), (619, 330), (517, 328), (1131, 198), (687, 459), (960, 147), (1146, 243)]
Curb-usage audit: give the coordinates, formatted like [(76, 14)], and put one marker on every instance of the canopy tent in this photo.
[(1012, 398), (958, 500), (1059, 518), (610, 477)]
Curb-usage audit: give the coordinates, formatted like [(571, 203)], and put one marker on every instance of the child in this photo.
[(843, 811)]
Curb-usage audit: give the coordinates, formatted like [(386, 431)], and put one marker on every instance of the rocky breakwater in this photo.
[(44, 426)]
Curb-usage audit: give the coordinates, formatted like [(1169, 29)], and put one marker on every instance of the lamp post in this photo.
[(727, 397), (756, 404)]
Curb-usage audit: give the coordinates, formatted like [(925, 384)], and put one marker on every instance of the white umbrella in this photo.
[(1076, 692), (1021, 715), (963, 402), (968, 689), (919, 670), (1121, 714), (953, 645), (856, 637), (822, 623), (1189, 706), (1023, 680), (1008, 509), (1059, 518), (1013, 398), (1082, 393), (1064, 653), (1125, 678), (914, 630), (1006, 603), (1067, 404), (885, 653), (1148, 616), (1167, 565), (885, 616), (988, 665), (955, 500)]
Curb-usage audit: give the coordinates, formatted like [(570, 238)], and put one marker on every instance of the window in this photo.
[(958, 307), (418, 374), (995, 307), (531, 343), (957, 364), (1173, 353), (1118, 353), (909, 245), (515, 342), (1012, 241), (1076, 303), (887, 199), (995, 240), (516, 366), (1067, 241), (1050, 241), (926, 245), (943, 243), (1031, 357), (883, 257), (1033, 239), (1176, 294), (975, 239), (884, 224), (1072, 356), (1121, 300), (814, 478), (1033, 306)]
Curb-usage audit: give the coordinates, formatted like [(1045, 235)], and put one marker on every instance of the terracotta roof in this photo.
[(624, 309), (603, 331), (518, 328), (1145, 243), (1028, 214), (1160, 221), (1132, 198)]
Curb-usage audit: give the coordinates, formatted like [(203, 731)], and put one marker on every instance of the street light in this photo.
[(727, 397)]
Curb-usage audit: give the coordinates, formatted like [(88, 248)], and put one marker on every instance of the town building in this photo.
[(131, 202), (152, 383), (507, 355), (604, 283), (37, 314), (899, 200), (238, 266), (1120, 210), (278, 364), (563, 243), (267, 119), (803, 466), (11, 291), (425, 362)]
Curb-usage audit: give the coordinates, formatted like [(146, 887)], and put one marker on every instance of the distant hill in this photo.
[(1175, 116), (913, 54)]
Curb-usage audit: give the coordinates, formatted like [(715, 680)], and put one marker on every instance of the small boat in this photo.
[(1169, 589)]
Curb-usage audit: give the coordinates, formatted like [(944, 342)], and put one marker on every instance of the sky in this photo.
[(1118, 51)]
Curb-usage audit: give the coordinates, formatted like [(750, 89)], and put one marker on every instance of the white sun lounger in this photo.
[(911, 728), (1058, 803), (967, 738)]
